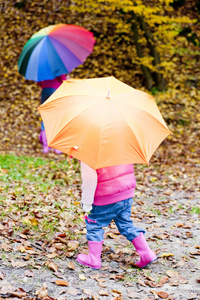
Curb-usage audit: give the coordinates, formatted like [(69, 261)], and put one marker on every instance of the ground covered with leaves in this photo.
[(42, 231)]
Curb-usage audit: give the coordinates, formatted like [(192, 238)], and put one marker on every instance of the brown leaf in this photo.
[(52, 266), (1, 275), (164, 279), (58, 274), (162, 295), (61, 282), (6, 289), (29, 273), (73, 245), (52, 255), (172, 274), (150, 283), (94, 297), (115, 291), (103, 293), (6, 247), (42, 292), (19, 292), (195, 253), (141, 282), (71, 266), (17, 264), (182, 280), (87, 292)]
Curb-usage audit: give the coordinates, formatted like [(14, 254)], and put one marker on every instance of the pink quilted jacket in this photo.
[(114, 184)]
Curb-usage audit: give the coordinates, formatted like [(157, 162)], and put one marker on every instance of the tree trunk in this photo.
[(160, 82), (145, 70)]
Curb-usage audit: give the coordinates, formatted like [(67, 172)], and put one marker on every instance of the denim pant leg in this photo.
[(99, 217), (124, 222)]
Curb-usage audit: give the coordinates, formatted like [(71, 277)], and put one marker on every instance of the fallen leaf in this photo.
[(94, 297), (87, 292), (82, 277), (167, 254), (195, 253), (61, 282), (103, 293), (29, 273), (71, 266), (17, 264), (141, 282), (34, 222), (6, 247), (164, 279), (6, 289), (42, 292), (150, 283), (1, 275), (172, 274), (163, 295), (73, 245), (19, 292), (58, 274), (52, 255), (115, 291), (52, 266), (182, 280)]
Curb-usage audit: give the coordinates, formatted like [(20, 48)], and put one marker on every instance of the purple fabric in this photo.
[(115, 183), (54, 83)]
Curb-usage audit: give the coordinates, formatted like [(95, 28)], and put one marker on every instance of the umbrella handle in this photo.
[(68, 158)]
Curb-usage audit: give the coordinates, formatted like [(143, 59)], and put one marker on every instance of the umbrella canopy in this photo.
[(55, 50), (103, 122)]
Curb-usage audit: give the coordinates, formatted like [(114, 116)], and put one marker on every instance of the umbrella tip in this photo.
[(108, 95)]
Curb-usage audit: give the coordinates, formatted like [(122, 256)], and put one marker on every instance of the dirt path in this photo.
[(172, 231)]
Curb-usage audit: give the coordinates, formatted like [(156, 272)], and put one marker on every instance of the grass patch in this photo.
[(39, 193), (195, 210)]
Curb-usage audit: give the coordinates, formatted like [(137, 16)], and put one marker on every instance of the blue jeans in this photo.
[(101, 216), (46, 93)]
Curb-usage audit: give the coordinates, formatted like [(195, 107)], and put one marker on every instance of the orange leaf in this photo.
[(71, 266), (103, 293), (52, 266), (162, 295), (61, 282)]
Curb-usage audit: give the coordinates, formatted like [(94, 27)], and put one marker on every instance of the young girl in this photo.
[(48, 88), (107, 194)]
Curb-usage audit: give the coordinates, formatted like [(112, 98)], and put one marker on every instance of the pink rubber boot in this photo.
[(43, 140), (93, 259), (146, 254)]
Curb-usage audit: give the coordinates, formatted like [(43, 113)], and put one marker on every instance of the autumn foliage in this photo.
[(146, 44)]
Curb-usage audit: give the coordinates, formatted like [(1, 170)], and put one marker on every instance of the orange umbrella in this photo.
[(103, 122)]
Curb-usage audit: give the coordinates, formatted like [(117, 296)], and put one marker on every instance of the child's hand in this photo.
[(86, 207)]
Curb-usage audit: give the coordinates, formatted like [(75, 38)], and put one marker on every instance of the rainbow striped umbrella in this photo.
[(55, 50)]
